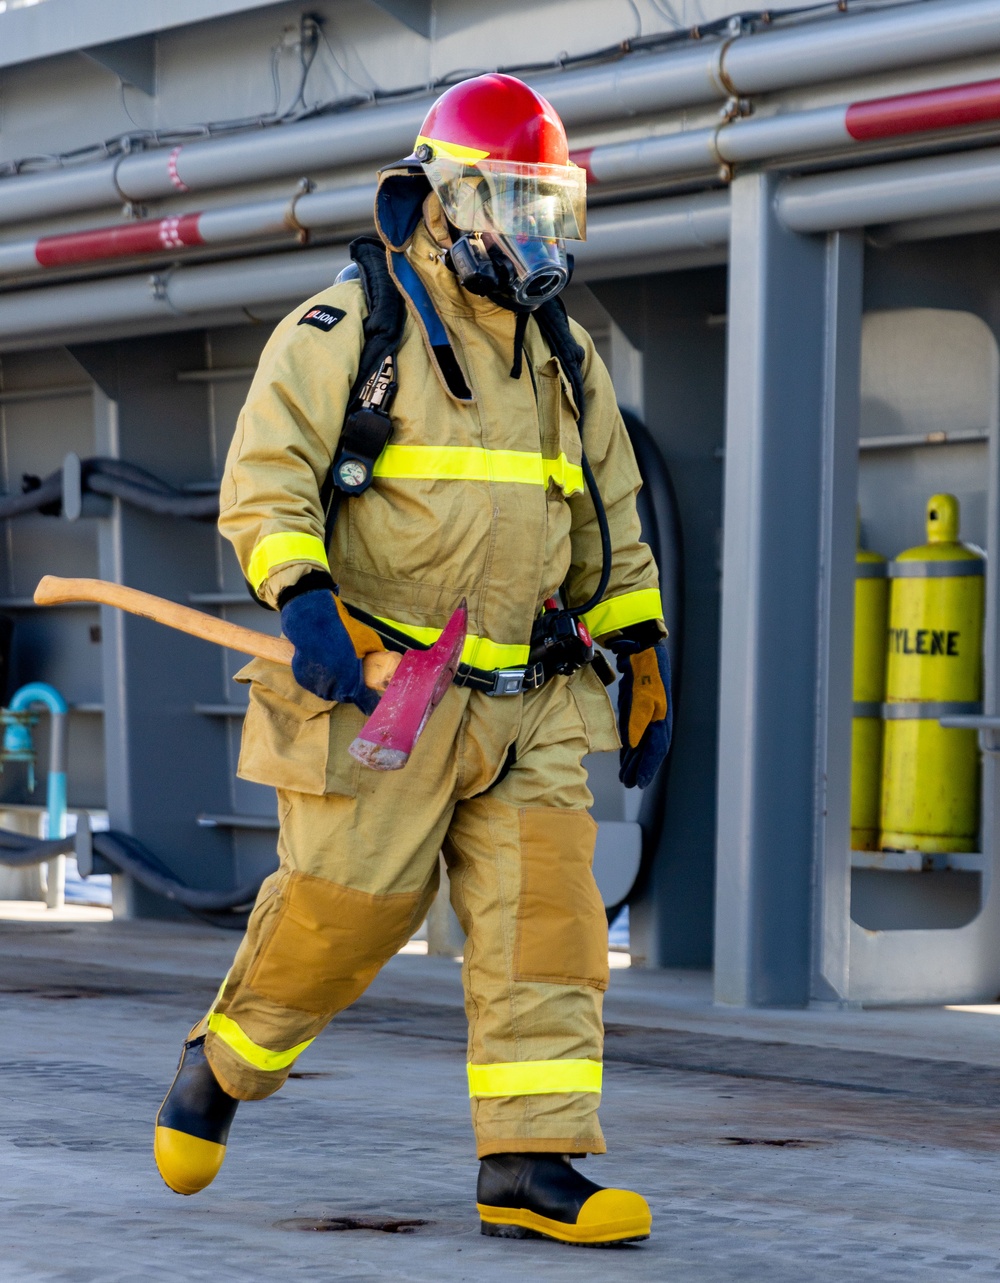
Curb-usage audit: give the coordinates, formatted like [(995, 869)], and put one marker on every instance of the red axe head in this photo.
[(388, 737)]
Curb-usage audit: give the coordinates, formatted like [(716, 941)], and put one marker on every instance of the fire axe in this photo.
[(410, 684)]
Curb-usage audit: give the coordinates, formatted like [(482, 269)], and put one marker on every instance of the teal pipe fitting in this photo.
[(17, 746), (17, 738)]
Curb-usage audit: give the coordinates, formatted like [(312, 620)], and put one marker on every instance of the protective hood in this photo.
[(402, 188)]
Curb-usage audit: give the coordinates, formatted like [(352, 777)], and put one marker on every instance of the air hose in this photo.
[(127, 855), (659, 517), (117, 479)]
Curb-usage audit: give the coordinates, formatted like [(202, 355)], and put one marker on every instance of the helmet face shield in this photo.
[(511, 199)]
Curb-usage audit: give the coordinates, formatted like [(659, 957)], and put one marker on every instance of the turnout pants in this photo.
[(498, 785)]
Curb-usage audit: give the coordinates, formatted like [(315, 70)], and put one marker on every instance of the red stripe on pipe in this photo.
[(582, 158), (919, 113), (151, 237)]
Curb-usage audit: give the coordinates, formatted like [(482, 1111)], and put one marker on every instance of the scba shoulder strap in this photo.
[(367, 425)]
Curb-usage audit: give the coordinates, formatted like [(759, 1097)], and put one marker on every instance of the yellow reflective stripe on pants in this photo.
[(236, 1040), (620, 612), (276, 550), (478, 652), (535, 1078), (474, 463)]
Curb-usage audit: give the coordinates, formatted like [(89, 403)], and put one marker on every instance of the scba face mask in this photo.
[(516, 271)]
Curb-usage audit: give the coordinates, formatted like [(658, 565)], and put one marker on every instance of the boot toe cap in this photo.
[(608, 1216), (613, 1215), (186, 1163)]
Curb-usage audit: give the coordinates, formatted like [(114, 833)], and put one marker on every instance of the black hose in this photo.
[(128, 855), (119, 479), (602, 525), (201, 507), (50, 491), (659, 516), (20, 851), (131, 857), (127, 472)]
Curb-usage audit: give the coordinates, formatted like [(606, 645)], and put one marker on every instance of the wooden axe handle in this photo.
[(379, 666)]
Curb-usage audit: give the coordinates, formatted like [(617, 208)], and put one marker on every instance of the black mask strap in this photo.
[(520, 326)]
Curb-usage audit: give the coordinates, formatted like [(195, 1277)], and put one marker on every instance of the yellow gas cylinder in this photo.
[(871, 604), (930, 775)]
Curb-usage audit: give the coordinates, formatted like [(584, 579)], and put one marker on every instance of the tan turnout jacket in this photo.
[(482, 499)]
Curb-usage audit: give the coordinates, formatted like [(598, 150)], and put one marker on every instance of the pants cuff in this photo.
[(544, 1145), (237, 1078)]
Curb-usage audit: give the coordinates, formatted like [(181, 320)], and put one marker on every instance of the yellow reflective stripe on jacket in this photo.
[(236, 1040), (620, 612), (474, 463), (478, 652), (535, 1078), (275, 550)]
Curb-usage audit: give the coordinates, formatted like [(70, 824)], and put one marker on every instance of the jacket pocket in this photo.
[(294, 740), (595, 708), (561, 444)]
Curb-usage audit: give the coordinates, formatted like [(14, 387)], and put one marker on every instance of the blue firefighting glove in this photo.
[(325, 661), (645, 709)]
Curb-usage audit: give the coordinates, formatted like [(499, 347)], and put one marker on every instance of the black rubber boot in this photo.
[(529, 1195), (193, 1124)]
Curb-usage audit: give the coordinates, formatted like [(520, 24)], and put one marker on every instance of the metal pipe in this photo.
[(178, 293), (918, 189), (326, 143), (652, 228), (658, 156), (351, 206), (667, 155), (659, 227), (616, 233), (641, 84), (905, 36), (795, 134), (928, 229), (927, 188)]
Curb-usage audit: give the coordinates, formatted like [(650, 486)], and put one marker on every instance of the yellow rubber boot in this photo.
[(193, 1124), (542, 1195)]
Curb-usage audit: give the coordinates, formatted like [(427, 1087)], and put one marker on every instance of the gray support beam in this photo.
[(794, 309), (838, 499), (677, 322), (166, 763)]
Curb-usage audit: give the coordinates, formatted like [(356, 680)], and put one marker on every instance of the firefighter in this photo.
[(507, 479)]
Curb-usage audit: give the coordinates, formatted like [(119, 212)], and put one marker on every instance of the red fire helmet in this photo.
[(497, 156)]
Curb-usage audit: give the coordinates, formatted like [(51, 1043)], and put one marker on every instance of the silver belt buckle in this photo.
[(508, 681)]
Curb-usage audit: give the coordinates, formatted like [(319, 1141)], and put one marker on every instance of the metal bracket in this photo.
[(305, 186), (75, 502), (987, 724), (88, 861)]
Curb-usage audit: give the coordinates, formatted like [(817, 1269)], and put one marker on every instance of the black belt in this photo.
[(501, 681), (490, 681)]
